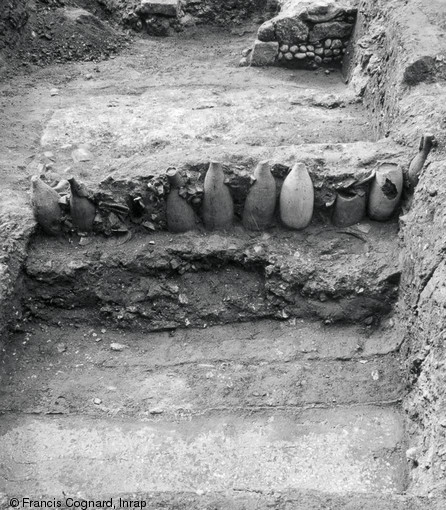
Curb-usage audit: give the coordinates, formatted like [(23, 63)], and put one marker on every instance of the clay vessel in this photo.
[(349, 209), (45, 202), (385, 191), (417, 163), (297, 198), (180, 215), (218, 206), (82, 208), (261, 200)]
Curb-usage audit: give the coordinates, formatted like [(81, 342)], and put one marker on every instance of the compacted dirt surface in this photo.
[(166, 101), (251, 407), (95, 402)]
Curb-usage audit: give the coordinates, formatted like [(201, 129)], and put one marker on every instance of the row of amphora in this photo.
[(296, 199)]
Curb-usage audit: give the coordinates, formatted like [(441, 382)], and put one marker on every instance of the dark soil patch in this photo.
[(54, 31)]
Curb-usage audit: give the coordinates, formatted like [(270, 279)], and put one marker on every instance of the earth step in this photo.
[(254, 112), (226, 126), (348, 274), (342, 450), (53, 370)]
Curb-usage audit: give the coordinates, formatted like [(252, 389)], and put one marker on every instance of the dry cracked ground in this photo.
[(215, 413)]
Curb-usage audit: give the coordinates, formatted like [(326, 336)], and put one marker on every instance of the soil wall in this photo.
[(16, 226), (397, 64), (222, 12)]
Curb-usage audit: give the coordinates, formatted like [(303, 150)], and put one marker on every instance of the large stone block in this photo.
[(324, 11), (290, 30), (331, 30), (267, 32), (163, 7), (264, 53)]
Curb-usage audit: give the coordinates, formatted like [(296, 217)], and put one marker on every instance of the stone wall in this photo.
[(305, 34), (397, 64)]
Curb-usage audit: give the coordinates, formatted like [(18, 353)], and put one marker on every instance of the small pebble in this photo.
[(117, 347), (328, 43), (289, 56), (97, 401), (284, 48), (81, 154), (88, 76), (294, 49), (182, 298), (300, 56), (364, 228), (85, 241), (54, 92), (61, 348)]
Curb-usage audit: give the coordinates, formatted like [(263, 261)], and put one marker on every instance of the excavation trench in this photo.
[(214, 364)]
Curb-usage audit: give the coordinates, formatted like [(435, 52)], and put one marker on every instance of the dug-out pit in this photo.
[(321, 347)]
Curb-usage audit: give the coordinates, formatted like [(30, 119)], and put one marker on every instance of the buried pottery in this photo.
[(417, 163), (349, 208), (45, 203), (218, 206), (180, 215), (385, 191), (82, 209), (261, 200), (297, 198)]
